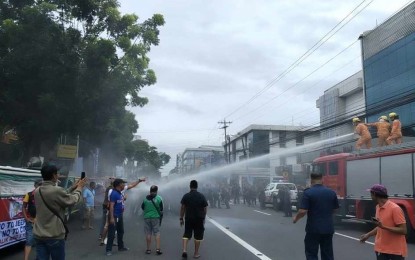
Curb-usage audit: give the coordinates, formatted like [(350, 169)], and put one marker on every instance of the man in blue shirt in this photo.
[(318, 203), (89, 197), (115, 216)]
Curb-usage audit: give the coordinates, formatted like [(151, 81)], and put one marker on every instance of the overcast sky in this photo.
[(216, 55)]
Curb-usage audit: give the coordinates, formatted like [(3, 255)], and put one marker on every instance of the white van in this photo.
[(271, 192)]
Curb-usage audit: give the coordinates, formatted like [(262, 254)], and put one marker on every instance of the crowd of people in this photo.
[(45, 206), (389, 131)]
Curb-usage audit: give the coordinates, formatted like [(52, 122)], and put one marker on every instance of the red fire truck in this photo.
[(350, 175)]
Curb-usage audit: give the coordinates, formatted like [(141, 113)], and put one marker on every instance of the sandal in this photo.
[(158, 252), (148, 251)]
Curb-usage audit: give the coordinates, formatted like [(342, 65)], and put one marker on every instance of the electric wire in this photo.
[(310, 51)]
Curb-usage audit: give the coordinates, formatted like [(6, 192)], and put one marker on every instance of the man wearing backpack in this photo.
[(153, 212), (51, 201), (29, 213)]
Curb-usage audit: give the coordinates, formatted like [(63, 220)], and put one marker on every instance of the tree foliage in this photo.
[(71, 67), (147, 157)]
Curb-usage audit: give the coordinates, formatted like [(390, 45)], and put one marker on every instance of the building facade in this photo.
[(271, 149), (389, 69), (194, 160)]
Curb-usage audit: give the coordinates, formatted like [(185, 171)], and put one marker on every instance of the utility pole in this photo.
[(226, 125)]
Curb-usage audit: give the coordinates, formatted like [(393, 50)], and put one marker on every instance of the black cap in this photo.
[(154, 188), (117, 182)]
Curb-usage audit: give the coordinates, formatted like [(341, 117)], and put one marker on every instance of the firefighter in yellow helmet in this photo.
[(396, 133), (365, 137), (383, 128)]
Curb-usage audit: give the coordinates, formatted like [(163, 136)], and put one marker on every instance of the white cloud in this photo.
[(215, 55)]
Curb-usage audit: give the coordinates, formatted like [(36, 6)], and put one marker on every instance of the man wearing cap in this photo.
[(105, 206), (318, 203), (390, 242), (51, 201), (115, 214)]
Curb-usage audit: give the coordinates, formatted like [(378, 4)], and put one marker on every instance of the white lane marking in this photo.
[(262, 212), (240, 241), (342, 235)]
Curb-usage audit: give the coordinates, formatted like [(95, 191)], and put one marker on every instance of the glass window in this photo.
[(320, 168), (333, 168)]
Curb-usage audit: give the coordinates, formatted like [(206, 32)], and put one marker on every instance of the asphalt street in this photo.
[(241, 232)]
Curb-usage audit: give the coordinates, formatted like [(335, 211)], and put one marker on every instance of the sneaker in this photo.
[(123, 249), (109, 253)]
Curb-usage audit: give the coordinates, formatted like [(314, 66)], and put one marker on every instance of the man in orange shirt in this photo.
[(383, 127), (396, 133), (390, 242), (365, 137)]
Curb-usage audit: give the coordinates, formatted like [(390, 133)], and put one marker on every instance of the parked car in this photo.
[(271, 193)]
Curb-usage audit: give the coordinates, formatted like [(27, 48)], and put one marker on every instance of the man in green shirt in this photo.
[(153, 212)]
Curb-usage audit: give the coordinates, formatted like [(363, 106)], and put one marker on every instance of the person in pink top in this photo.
[(390, 230)]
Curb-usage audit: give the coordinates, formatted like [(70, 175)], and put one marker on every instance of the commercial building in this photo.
[(271, 146), (194, 160), (338, 105), (389, 69)]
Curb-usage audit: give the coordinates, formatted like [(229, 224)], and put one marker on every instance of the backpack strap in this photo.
[(55, 213)]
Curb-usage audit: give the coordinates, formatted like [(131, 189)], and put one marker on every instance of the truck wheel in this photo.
[(410, 232)]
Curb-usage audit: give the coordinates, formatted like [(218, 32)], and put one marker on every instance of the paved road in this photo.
[(241, 232)]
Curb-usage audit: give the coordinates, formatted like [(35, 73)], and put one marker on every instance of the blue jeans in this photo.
[(119, 226), (30, 240), (50, 248), (312, 243)]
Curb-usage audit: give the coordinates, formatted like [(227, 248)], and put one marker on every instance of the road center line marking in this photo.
[(262, 212), (240, 241), (346, 236)]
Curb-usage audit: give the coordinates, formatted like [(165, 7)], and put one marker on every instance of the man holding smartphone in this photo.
[(390, 230)]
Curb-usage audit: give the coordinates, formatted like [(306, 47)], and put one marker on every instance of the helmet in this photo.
[(393, 114), (383, 117), (356, 119)]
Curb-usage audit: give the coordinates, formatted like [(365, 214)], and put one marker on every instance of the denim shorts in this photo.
[(30, 240), (152, 226)]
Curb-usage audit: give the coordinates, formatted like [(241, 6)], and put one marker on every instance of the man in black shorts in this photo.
[(194, 208)]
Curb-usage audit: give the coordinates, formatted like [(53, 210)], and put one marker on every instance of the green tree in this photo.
[(71, 67), (147, 157)]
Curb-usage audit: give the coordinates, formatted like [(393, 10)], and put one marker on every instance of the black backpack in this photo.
[(31, 208)]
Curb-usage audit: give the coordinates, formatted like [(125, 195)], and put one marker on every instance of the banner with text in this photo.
[(12, 223)]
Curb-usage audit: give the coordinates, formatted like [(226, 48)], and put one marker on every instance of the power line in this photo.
[(310, 51)]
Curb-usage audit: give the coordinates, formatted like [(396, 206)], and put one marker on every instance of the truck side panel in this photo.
[(396, 174), (361, 175)]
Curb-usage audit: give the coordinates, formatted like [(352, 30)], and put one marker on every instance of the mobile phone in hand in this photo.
[(82, 175)]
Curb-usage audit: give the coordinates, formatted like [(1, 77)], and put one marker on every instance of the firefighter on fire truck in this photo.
[(396, 132), (383, 128), (365, 137)]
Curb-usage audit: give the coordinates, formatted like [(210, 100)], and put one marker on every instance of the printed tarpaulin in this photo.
[(15, 188), (12, 224)]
